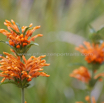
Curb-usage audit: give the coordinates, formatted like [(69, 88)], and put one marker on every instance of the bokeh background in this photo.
[(65, 25)]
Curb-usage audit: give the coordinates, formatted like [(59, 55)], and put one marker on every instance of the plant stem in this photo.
[(90, 96), (22, 95), (21, 58)]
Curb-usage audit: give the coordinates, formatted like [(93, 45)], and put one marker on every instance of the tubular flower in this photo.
[(21, 73), (84, 75), (18, 37), (81, 74), (93, 53)]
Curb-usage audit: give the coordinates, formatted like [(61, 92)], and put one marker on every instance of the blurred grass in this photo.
[(53, 16)]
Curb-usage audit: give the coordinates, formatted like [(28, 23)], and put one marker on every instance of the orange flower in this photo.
[(93, 53), (81, 74), (13, 68), (19, 36), (87, 98), (84, 75)]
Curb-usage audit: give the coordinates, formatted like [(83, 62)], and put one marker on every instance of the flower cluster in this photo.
[(82, 74), (19, 36), (94, 53), (94, 56), (13, 68), (16, 68)]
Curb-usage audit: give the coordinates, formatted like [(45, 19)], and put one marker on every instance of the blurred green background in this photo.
[(65, 25)]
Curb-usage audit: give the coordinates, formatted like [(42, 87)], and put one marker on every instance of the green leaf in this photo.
[(92, 30), (93, 81), (95, 36), (8, 44), (100, 30), (8, 82), (19, 28), (5, 42), (98, 78), (25, 30), (15, 31), (28, 46), (101, 33), (36, 44), (27, 85)]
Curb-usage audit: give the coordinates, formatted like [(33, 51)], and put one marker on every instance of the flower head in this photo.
[(21, 73), (94, 53), (82, 74), (18, 37)]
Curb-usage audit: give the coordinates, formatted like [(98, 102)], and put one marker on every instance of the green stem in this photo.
[(89, 93), (22, 95), (21, 58), (90, 98), (22, 89)]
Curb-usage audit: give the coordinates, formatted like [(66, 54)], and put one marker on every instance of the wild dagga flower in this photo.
[(94, 53), (83, 74), (19, 36), (17, 69), (94, 56), (93, 50), (21, 73)]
